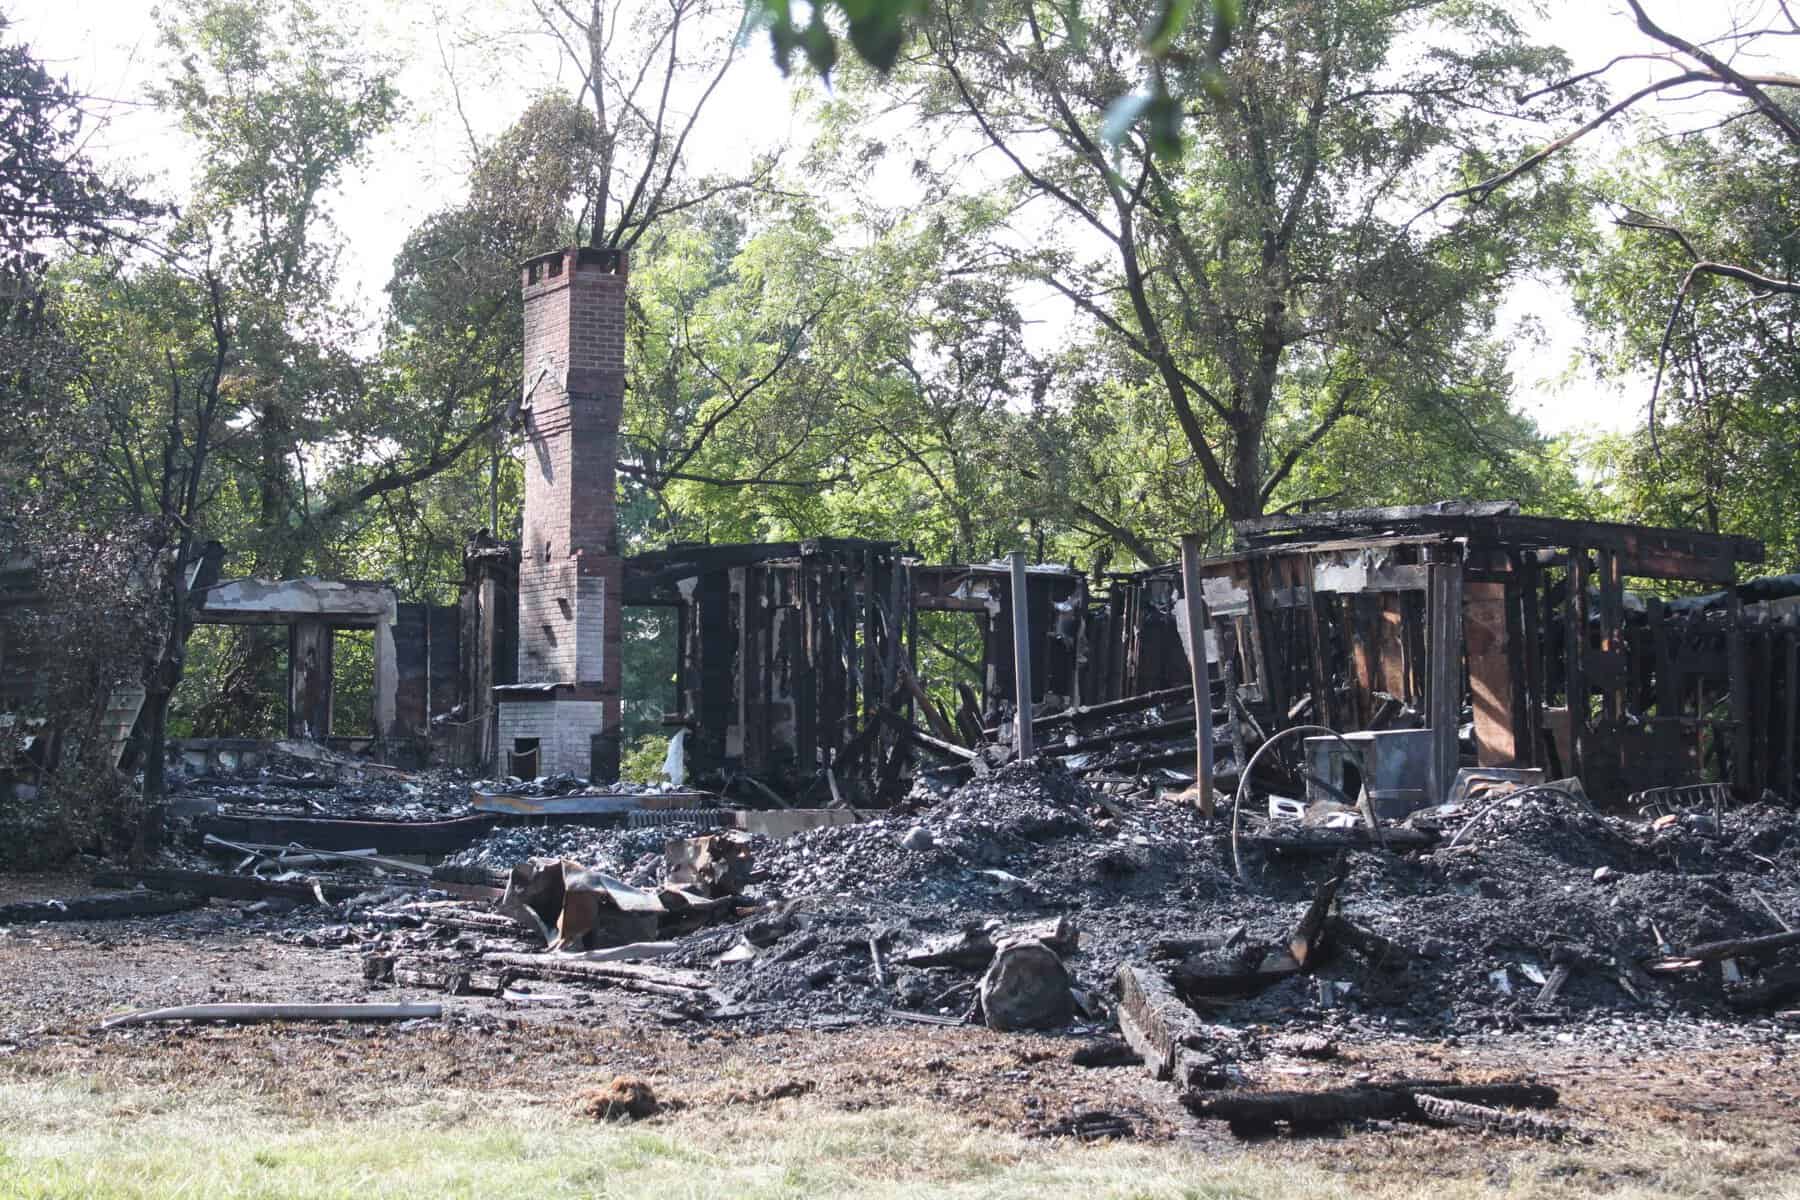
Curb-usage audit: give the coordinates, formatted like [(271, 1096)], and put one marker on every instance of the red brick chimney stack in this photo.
[(570, 572)]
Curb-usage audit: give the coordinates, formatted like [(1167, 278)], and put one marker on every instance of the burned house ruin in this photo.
[(1434, 637)]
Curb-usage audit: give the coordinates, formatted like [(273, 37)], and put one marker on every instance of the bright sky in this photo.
[(108, 48)]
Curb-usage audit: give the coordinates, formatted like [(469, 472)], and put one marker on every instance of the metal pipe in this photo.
[(1237, 800)]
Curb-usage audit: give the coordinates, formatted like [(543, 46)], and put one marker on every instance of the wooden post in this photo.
[(310, 678), (1445, 698), (1500, 739), (1762, 704), (1019, 603), (1790, 677), (1197, 622), (1575, 614), (1530, 609), (1737, 662), (1614, 699)]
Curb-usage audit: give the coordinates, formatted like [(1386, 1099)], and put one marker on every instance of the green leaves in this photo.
[(48, 189), (1167, 23), (877, 30)]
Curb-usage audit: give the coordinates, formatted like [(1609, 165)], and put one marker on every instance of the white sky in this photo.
[(108, 48)]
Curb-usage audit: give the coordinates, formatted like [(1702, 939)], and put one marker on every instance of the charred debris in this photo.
[(1427, 770), (1430, 837)]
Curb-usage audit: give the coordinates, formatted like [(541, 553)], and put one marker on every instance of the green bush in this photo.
[(642, 761)]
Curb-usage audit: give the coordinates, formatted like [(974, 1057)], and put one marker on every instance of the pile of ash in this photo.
[(634, 855), (1028, 831), (1026, 843), (574, 785), (421, 796), (1544, 911)]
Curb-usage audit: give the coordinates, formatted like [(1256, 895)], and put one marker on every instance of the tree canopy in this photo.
[(1081, 277)]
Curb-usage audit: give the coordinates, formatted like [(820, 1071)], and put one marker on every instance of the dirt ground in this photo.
[(1734, 1085)]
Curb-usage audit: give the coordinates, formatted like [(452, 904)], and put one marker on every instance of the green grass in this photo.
[(64, 1139)]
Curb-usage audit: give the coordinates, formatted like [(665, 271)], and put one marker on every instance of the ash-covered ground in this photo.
[(1480, 927), (1543, 913)]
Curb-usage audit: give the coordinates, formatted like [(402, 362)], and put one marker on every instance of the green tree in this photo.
[(1270, 281), (1720, 364)]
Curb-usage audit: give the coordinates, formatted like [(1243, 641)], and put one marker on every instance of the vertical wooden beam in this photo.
[(1444, 697), (848, 725), (1228, 679), (1325, 707), (1613, 699), (1492, 675), (1531, 579), (1195, 607), (1737, 663), (1365, 653), (873, 691), (309, 678), (769, 630), (1018, 605), (1763, 707), (1262, 657), (1790, 641), (1575, 650), (744, 663), (909, 591), (806, 670), (1668, 683)]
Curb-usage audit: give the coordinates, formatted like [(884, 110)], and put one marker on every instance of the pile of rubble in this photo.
[(300, 789), (1027, 898), (1542, 911)]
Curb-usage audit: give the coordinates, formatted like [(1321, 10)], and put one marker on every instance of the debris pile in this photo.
[(635, 855), (1026, 898), (273, 791)]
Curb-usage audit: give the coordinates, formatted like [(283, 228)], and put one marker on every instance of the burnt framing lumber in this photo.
[(796, 658), (788, 654), (1252, 1113), (1410, 617), (118, 906)]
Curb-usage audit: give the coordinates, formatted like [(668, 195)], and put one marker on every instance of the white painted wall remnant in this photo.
[(1187, 641), (341, 603), (1223, 596), (276, 600)]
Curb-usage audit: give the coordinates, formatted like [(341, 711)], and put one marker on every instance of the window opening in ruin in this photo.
[(950, 651), (649, 655), (353, 683)]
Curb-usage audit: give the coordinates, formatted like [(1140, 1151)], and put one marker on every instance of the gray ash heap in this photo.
[(1031, 828), (1541, 894), (634, 855), (1027, 843)]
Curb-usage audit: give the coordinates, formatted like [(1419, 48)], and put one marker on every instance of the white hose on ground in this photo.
[(1237, 800)]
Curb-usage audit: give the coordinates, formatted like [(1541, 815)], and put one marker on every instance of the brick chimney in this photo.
[(563, 713)]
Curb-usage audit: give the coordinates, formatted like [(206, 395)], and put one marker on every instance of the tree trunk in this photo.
[(156, 725), (1245, 500)]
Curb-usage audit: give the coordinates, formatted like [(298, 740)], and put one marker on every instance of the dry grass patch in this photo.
[(63, 1138)]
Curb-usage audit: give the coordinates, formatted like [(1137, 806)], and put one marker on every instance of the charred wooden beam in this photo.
[(325, 833), (1706, 952), (1259, 1112), (116, 907), (1157, 1023), (1111, 708), (233, 887)]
